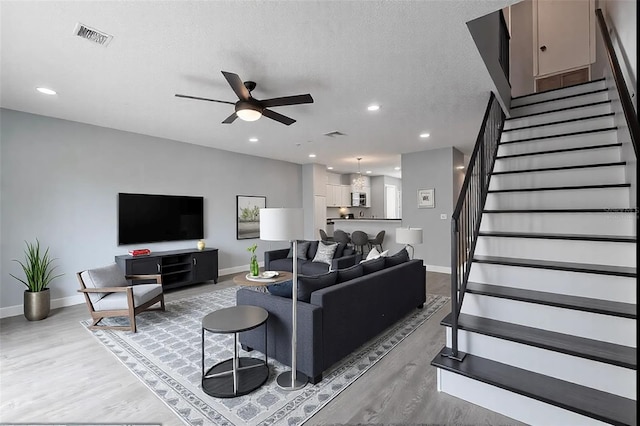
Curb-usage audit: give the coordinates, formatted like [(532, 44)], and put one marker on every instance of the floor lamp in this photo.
[(286, 225), (409, 237)]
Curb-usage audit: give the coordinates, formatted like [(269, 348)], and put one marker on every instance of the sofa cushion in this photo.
[(313, 248), (303, 247), (373, 265), (398, 258), (325, 252), (313, 268), (339, 250), (283, 265), (309, 284), (351, 273), (106, 276), (282, 289)]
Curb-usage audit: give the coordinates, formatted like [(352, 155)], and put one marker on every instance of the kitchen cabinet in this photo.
[(345, 195), (338, 195)]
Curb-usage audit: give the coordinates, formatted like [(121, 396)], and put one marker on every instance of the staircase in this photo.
[(548, 320)]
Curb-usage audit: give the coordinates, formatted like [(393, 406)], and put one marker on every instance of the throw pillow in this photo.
[(373, 265), (398, 258), (303, 246), (325, 252), (283, 289), (309, 284), (373, 254), (350, 273), (340, 250)]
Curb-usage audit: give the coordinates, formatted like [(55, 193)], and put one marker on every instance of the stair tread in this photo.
[(624, 271), (580, 399), (561, 98), (560, 110), (556, 151), (606, 210), (559, 188), (551, 236), (605, 307), (557, 89), (552, 123), (551, 169), (559, 135)]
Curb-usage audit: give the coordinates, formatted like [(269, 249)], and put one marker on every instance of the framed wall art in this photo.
[(248, 216), (426, 198)]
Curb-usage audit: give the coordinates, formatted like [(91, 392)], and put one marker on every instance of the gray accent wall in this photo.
[(60, 182), (521, 49), (425, 170)]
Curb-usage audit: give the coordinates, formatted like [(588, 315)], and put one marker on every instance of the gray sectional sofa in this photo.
[(337, 319), (277, 260)]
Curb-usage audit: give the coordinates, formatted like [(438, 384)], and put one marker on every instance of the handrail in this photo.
[(465, 220), (623, 92)]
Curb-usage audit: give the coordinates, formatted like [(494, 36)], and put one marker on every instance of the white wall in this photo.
[(521, 49), (60, 180)]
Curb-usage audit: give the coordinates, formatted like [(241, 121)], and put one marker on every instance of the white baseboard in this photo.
[(441, 269)]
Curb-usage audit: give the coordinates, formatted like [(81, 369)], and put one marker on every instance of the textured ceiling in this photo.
[(414, 58)]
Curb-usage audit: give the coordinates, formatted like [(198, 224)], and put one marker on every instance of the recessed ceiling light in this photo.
[(312, 156), (460, 167), (253, 139), (368, 172), (396, 168), (46, 91), (373, 107), (329, 168), (424, 135)]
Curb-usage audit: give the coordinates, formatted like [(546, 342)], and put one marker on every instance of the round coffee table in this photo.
[(241, 279), (238, 375)]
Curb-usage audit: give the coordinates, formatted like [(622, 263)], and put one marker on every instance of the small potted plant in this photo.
[(254, 268), (38, 269)]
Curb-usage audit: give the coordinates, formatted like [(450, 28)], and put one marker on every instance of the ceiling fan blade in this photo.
[(204, 99), (278, 117), (237, 85), (287, 100), (230, 119)]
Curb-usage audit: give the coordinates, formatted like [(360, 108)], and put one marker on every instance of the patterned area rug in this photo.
[(165, 354)]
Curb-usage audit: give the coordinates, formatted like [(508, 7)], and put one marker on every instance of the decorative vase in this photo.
[(37, 304), (200, 245), (254, 268)]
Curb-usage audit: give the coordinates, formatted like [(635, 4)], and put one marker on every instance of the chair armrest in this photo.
[(156, 277), (270, 256), (104, 290)]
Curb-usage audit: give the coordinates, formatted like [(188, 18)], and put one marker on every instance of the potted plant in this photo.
[(38, 269), (254, 268)]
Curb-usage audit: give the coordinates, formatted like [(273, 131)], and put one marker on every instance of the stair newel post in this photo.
[(454, 354)]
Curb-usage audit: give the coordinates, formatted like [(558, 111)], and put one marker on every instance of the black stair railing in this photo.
[(465, 220), (625, 99), (504, 45)]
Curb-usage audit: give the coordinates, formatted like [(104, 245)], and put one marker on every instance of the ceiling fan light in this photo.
[(247, 111)]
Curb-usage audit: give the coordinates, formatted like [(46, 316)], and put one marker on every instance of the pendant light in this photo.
[(359, 181)]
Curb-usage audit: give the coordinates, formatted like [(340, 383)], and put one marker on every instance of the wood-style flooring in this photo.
[(53, 371)]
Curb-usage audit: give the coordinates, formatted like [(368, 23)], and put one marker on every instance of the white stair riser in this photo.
[(559, 159), (585, 111), (516, 406), (567, 91), (585, 176), (613, 223), (605, 328), (564, 142), (561, 128), (595, 252), (595, 286), (562, 103), (599, 198), (598, 375)]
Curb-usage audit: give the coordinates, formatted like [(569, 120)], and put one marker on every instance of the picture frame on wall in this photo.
[(426, 198), (248, 216)]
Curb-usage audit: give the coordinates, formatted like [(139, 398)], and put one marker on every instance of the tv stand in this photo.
[(177, 267)]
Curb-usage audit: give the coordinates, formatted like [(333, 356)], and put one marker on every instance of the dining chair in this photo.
[(340, 236), (377, 241), (324, 236), (360, 239)]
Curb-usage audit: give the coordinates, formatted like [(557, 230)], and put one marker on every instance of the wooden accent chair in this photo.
[(108, 294)]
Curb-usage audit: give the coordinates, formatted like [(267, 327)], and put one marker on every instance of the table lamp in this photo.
[(409, 237), (286, 224)]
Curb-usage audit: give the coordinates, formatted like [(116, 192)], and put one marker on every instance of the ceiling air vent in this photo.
[(91, 34), (334, 134)]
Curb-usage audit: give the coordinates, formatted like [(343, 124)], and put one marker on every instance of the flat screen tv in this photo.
[(146, 218)]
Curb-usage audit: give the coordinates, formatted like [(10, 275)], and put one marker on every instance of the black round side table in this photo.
[(238, 375)]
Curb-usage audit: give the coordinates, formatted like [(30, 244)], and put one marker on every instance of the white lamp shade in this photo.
[(281, 224), (409, 235)]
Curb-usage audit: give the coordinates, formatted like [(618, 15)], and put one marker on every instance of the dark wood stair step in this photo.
[(597, 306), (560, 110), (557, 151), (553, 169), (621, 271), (557, 89), (573, 237), (570, 211), (577, 95), (553, 123), (583, 400), (562, 188), (560, 135)]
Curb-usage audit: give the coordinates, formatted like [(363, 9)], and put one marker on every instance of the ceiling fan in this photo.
[(249, 108)]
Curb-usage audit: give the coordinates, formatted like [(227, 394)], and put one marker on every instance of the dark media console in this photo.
[(177, 267)]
